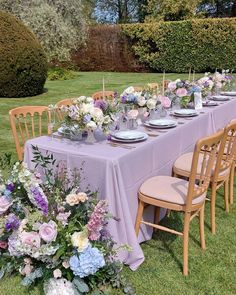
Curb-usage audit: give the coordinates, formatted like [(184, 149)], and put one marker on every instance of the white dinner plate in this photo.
[(220, 98), (209, 103), (129, 135), (185, 113), (147, 123), (229, 93), (145, 136), (162, 122)]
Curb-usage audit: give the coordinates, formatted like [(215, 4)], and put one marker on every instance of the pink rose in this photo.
[(48, 231), (3, 245), (30, 238), (181, 92), (172, 86), (27, 270), (165, 101), (4, 204)]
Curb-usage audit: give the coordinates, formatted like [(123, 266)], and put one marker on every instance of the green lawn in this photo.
[(211, 272)]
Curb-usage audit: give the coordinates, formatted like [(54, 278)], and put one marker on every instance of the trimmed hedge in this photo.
[(23, 64), (199, 44)]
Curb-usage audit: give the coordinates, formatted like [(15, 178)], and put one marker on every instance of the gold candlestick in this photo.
[(189, 74), (103, 88), (163, 83)]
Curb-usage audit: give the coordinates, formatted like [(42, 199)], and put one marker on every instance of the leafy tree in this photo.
[(170, 10), (59, 25)]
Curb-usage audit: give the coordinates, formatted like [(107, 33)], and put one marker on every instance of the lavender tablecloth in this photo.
[(117, 173)]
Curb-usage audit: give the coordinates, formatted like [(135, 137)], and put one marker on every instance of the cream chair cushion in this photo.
[(182, 165), (168, 189)]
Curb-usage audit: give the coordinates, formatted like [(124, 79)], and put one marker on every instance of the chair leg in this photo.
[(157, 215), (139, 216), (231, 184), (201, 227), (226, 193), (185, 243), (213, 208)]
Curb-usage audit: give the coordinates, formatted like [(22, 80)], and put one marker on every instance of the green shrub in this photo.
[(60, 74), (23, 64), (199, 44)]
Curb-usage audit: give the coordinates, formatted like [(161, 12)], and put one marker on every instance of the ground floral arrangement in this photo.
[(54, 234)]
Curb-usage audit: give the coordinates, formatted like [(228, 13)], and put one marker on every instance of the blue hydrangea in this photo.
[(87, 263)]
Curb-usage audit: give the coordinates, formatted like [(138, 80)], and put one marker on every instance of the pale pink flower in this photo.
[(181, 92), (165, 101), (26, 270), (66, 264), (30, 238), (48, 231), (57, 273), (97, 220), (172, 86), (132, 114), (4, 204), (63, 217), (82, 197)]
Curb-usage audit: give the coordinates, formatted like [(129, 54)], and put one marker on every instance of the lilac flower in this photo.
[(39, 199), (7, 192), (10, 187), (87, 118), (13, 242), (101, 104), (89, 261), (97, 220), (12, 222)]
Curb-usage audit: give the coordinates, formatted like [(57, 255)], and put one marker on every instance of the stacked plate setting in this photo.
[(219, 98), (161, 123), (229, 93), (209, 103), (185, 113), (129, 136)]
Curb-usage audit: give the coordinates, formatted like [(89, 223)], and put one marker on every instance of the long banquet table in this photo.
[(117, 173)]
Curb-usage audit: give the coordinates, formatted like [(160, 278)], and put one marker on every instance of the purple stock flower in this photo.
[(12, 222), (39, 199), (10, 187), (101, 104)]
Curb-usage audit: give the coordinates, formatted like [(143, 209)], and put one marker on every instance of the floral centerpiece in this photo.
[(133, 98), (214, 82), (53, 233), (206, 83), (178, 91), (86, 115)]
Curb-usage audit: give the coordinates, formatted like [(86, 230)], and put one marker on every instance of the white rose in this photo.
[(151, 104), (97, 113), (129, 90), (89, 100), (87, 108), (91, 125), (141, 101), (80, 240)]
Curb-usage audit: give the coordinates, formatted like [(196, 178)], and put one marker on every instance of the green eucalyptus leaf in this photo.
[(80, 285)]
